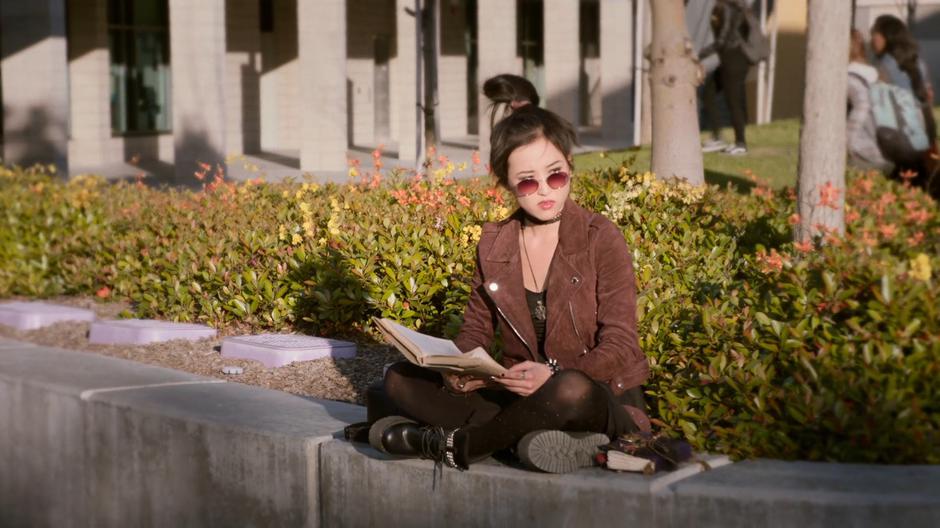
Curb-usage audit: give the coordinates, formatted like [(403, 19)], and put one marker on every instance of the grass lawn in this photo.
[(773, 156)]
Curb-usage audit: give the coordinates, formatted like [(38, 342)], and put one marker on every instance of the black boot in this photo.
[(397, 435)]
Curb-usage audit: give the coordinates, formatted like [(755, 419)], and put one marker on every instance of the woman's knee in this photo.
[(398, 376), (572, 387)]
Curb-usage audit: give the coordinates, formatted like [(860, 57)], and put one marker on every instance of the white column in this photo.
[(243, 76), (197, 55), (90, 92), (562, 58), (617, 83), (406, 89), (321, 38), (35, 82), (496, 52)]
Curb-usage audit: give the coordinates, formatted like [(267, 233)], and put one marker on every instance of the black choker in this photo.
[(528, 219)]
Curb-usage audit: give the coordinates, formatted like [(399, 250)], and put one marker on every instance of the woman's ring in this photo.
[(524, 374)]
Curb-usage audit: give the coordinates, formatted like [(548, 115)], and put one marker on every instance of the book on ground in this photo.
[(620, 461), (436, 353)]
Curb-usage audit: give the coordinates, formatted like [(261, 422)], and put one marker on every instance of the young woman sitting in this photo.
[(556, 282)]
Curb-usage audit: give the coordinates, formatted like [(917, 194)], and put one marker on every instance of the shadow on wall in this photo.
[(193, 149), (790, 76), (240, 40), (33, 143)]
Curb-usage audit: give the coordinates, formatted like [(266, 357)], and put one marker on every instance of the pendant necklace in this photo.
[(539, 305)]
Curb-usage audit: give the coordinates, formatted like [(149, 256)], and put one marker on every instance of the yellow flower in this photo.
[(920, 267), (470, 233), (296, 239)]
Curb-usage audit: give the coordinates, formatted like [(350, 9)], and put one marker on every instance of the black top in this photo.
[(532, 298)]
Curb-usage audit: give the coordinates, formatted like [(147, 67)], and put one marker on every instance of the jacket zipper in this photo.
[(577, 332), (512, 326)]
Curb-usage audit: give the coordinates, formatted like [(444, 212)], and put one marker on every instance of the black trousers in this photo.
[(497, 419), (733, 72)]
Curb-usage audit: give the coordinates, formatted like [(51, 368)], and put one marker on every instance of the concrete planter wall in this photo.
[(87, 440)]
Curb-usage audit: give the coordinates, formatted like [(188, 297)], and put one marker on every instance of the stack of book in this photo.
[(644, 453)]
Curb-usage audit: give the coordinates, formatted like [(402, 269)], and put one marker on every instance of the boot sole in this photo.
[(379, 427), (560, 451)]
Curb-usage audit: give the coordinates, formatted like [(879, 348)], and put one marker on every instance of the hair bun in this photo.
[(507, 88)]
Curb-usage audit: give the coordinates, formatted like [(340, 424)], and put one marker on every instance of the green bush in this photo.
[(759, 347)]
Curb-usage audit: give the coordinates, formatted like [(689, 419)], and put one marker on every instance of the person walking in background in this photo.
[(861, 139), (734, 39), (900, 64), (698, 20)]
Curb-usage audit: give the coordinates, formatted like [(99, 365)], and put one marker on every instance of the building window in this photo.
[(138, 38)]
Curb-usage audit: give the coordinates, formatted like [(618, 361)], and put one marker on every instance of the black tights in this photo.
[(498, 419)]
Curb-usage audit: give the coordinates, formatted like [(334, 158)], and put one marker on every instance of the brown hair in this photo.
[(524, 123)]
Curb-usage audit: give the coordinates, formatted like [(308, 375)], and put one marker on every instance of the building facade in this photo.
[(87, 83), (171, 83)]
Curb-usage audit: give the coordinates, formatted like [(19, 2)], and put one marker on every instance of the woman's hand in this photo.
[(462, 384), (525, 378)]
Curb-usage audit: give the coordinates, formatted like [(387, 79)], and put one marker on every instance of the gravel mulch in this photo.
[(340, 379)]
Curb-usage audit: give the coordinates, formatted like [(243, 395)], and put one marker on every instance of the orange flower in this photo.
[(829, 196), (833, 239), (888, 230), (851, 216), (916, 215), (805, 246), (770, 262), (794, 219), (908, 175), (104, 292), (865, 185), (869, 239), (915, 239), (476, 157)]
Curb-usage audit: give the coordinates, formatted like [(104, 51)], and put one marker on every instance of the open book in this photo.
[(438, 354)]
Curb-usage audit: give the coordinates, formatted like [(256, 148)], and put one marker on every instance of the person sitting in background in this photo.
[(860, 138), (900, 64)]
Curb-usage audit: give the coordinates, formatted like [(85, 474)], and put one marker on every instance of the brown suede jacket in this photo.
[(591, 296)]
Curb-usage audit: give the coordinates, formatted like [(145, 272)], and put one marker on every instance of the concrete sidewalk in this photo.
[(90, 440)]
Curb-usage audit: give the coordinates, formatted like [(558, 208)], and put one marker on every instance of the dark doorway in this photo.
[(530, 30)]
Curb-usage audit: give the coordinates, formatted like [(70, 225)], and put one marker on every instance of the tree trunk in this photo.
[(429, 39), (821, 187), (674, 76)]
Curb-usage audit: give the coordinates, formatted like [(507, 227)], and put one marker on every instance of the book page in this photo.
[(423, 345)]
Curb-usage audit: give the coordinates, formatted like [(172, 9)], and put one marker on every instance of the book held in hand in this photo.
[(436, 353)]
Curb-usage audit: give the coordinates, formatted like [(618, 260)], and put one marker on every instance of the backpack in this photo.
[(754, 44), (899, 122)]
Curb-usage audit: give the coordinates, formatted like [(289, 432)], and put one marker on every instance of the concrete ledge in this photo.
[(97, 441), (777, 493), (361, 487)]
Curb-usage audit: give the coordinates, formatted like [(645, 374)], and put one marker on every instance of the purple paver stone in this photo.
[(32, 315), (143, 331), (277, 350)]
